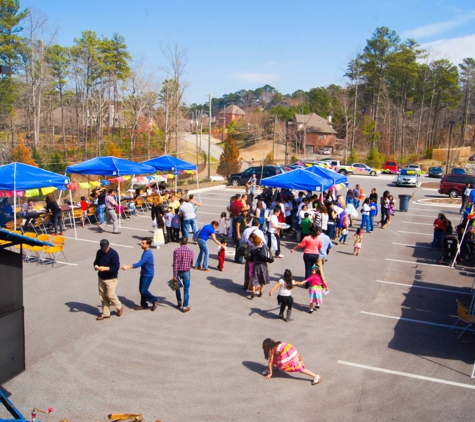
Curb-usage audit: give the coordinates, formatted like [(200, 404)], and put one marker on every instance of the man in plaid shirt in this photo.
[(182, 261)]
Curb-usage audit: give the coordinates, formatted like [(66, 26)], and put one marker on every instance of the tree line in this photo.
[(92, 98)]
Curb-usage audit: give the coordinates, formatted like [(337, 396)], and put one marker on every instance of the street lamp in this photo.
[(451, 123)]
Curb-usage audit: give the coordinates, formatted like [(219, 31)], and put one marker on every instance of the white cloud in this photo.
[(255, 77), (453, 49), (439, 27)]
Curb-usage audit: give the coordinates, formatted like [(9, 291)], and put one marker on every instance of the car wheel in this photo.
[(373, 173), (235, 182), (343, 172), (453, 193)]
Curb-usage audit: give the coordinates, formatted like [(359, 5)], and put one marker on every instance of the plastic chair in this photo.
[(38, 249), (464, 316), (53, 251), (24, 248), (139, 204), (91, 213)]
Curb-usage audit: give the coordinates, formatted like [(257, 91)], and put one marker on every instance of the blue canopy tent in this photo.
[(19, 176), (110, 166), (169, 163), (299, 179), (329, 174)]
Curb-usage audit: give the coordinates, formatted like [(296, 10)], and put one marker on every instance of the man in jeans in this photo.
[(187, 213), (273, 231), (239, 227), (107, 264), (111, 216), (146, 265), (182, 262)]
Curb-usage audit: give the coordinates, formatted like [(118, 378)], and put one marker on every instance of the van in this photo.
[(454, 184)]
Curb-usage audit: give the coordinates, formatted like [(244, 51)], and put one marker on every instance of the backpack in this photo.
[(264, 254)]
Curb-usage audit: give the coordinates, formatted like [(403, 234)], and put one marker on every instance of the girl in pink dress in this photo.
[(286, 358)]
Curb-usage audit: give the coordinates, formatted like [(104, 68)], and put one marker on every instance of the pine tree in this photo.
[(229, 161)]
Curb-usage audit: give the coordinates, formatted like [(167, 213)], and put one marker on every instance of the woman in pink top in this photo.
[(311, 245)]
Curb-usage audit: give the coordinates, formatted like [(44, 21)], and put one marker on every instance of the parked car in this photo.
[(416, 167), (471, 158), (454, 184), (390, 167), (238, 179), (436, 172), (458, 170), (407, 177), (359, 168)]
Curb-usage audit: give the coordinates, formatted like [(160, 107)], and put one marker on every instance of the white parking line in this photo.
[(66, 263), (424, 287), (406, 374), (420, 215), (411, 246), (412, 222), (417, 263), (421, 234), (417, 321), (96, 241), (134, 228)]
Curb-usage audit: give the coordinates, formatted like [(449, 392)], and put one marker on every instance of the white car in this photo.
[(359, 168), (415, 167)]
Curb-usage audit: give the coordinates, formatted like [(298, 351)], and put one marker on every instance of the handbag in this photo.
[(175, 284)]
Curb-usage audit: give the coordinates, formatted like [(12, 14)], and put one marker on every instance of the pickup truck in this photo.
[(336, 165)]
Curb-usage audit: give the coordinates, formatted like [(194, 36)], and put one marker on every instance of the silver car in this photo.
[(407, 177)]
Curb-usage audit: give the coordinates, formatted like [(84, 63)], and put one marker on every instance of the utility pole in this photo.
[(209, 140)]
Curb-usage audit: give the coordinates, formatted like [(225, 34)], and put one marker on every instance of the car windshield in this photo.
[(391, 163), (408, 172)]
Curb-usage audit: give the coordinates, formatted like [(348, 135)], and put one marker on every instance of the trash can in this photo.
[(404, 202)]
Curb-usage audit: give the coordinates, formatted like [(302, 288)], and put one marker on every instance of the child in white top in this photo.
[(223, 227), (284, 298)]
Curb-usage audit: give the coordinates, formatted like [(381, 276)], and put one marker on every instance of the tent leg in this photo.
[(72, 215)]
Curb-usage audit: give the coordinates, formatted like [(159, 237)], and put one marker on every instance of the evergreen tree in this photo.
[(56, 163), (229, 161)]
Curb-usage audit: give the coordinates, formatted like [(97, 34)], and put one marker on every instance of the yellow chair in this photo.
[(18, 228), (139, 204), (464, 316), (24, 248), (91, 212), (38, 249), (53, 251)]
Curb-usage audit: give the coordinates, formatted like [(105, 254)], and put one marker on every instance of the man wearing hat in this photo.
[(107, 264), (238, 230)]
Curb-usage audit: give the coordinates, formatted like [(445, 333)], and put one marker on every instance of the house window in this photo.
[(320, 136), (309, 149)]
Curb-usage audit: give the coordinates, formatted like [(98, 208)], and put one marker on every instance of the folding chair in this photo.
[(91, 213), (39, 224), (38, 249), (464, 316), (149, 202), (139, 204), (53, 251), (462, 306), (24, 248)]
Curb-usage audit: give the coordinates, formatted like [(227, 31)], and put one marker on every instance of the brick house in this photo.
[(230, 114), (314, 132)]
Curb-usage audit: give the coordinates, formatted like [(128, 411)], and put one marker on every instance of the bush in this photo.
[(374, 159)]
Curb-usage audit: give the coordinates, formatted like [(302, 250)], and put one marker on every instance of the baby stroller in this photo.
[(450, 246)]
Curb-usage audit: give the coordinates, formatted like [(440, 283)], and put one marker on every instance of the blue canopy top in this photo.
[(110, 166), (299, 179), (19, 176), (329, 174), (169, 163)]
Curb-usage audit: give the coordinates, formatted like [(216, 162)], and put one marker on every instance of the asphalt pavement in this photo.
[(381, 340)]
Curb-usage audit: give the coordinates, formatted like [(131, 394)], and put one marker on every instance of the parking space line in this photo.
[(420, 215), (422, 224), (417, 263), (96, 241), (424, 287), (411, 246), (417, 321), (134, 228), (420, 234), (406, 374), (66, 263)]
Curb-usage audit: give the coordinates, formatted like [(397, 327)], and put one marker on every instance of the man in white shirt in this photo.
[(187, 213), (273, 231), (245, 239)]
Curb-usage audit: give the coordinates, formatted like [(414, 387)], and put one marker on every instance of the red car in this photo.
[(390, 167)]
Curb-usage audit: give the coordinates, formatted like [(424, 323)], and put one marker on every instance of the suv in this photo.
[(453, 184), (390, 167), (237, 179)]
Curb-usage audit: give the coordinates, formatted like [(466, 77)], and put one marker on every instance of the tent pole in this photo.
[(72, 215), (198, 184), (460, 243), (14, 198), (118, 201)]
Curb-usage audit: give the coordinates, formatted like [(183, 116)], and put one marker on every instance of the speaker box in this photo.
[(12, 345), (11, 281)]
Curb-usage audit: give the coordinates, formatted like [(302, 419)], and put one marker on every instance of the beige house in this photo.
[(314, 132)]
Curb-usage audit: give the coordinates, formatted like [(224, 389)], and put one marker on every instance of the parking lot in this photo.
[(381, 340)]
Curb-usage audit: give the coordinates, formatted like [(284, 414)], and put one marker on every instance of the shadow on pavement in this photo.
[(83, 307)]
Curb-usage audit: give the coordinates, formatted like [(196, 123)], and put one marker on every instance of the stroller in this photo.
[(450, 244)]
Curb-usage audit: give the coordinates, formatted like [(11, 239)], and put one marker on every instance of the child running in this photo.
[(358, 237), (84, 208), (316, 284), (284, 298)]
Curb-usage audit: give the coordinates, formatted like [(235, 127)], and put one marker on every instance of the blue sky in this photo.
[(291, 45)]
